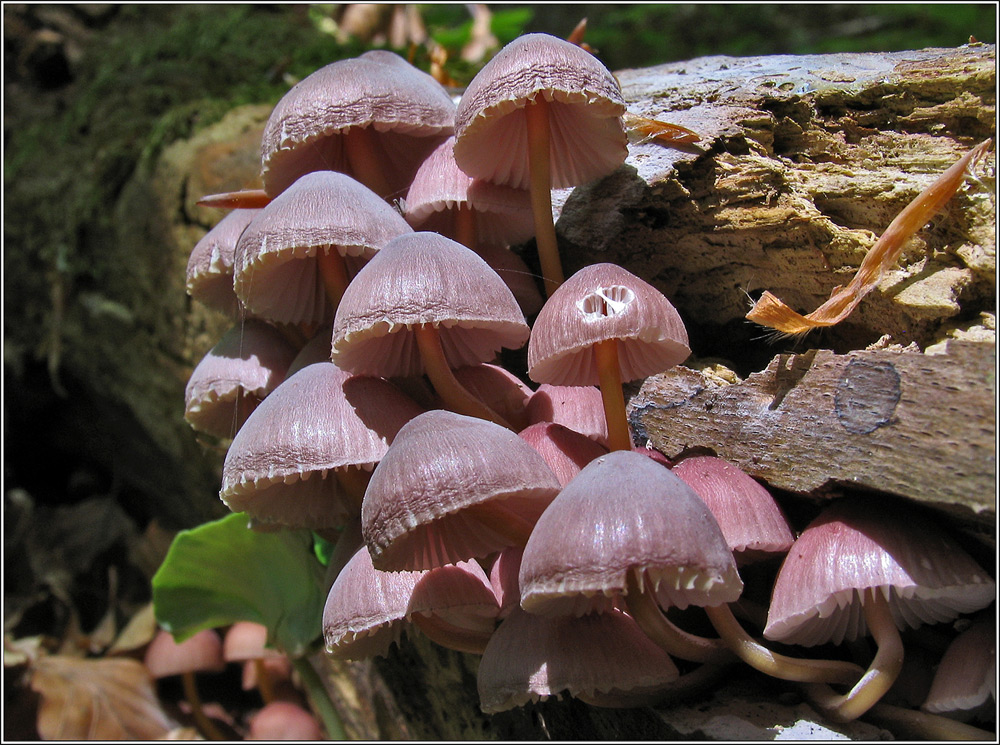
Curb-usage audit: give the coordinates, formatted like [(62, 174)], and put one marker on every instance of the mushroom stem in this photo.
[(451, 636), (246, 199), (361, 151), (453, 393), (205, 725), (924, 726), (879, 677), (536, 115), (609, 375), (465, 226), (333, 273), (264, 683), (676, 642), (777, 665)]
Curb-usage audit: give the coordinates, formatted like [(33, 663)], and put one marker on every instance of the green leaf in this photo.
[(222, 572)]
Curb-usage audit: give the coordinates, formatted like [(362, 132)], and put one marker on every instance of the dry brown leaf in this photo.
[(97, 699), (771, 312)]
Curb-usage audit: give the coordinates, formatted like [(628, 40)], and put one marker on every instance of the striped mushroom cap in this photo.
[(752, 522), (277, 274), (601, 658), (279, 468), (406, 110), (565, 451), (452, 488), (625, 513), (424, 278), (249, 361), (587, 138), (601, 302), (210, 266), (851, 550), (440, 189), (576, 407), (965, 679)]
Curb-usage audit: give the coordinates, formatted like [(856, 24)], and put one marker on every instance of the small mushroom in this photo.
[(542, 113), (283, 720), (452, 488), (576, 407), (375, 117), (605, 326), (853, 572), (202, 652), (425, 303), (245, 642), (566, 452), (210, 266), (965, 681)]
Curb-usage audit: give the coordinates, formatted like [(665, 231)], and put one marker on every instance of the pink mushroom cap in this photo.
[(408, 110), (210, 266), (201, 652)]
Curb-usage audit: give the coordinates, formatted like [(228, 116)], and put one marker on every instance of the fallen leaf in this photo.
[(97, 699)]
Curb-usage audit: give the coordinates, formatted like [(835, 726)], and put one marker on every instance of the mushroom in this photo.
[(294, 260), (965, 680), (752, 522), (303, 457), (853, 572), (576, 407), (201, 652), (499, 389), (249, 361), (375, 117), (210, 266), (452, 488), (606, 326), (542, 113), (626, 529), (425, 303), (566, 452), (246, 642), (283, 720), (368, 609)]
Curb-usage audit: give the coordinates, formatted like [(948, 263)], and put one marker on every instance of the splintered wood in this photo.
[(771, 312)]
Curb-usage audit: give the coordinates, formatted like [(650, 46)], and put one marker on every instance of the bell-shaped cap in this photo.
[(587, 138), (210, 266), (407, 110), (598, 303), (440, 188), (965, 679), (501, 390), (201, 652), (752, 522), (283, 720), (594, 657), (625, 513), (452, 488), (566, 452), (576, 407), (279, 467), (276, 273), (368, 609), (424, 278), (249, 362), (247, 640), (516, 275), (851, 548)]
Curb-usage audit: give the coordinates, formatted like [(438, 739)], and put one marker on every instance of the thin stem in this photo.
[(452, 392), (319, 698), (609, 375), (642, 606), (361, 151), (777, 665), (334, 274), (879, 677), (208, 729), (465, 226), (924, 726), (536, 115), (264, 683)]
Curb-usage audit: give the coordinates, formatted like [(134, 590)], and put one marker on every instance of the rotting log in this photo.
[(893, 421)]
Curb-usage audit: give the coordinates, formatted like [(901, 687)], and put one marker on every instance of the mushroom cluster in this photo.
[(516, 523)]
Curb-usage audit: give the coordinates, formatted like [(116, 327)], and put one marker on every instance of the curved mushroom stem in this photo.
[(334, 274), (879, 677), (777, 665), (246, 199), (536, 115), (609, 375), (642, 606), (205, 725), (361, 151), (465, 226), (453, 393), (451, 636)]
